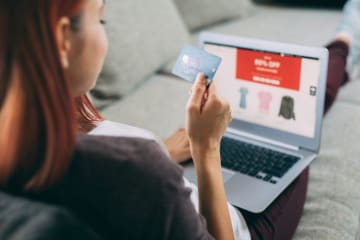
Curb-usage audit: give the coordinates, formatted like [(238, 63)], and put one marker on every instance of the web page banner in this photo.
[(269, 69)]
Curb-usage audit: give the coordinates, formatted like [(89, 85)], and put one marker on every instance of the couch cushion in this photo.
[(350, 92), (143, 36), (159, 106), (201, 13), (332, 208), (24, 219), (314, 27), (318, 3)]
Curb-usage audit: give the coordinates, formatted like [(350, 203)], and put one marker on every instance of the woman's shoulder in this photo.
[(124, 158), (117, 184)]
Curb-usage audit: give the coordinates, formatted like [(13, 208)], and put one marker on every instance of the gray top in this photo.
[(126, 188)]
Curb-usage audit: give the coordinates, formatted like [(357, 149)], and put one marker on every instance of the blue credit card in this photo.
[(193, 60)]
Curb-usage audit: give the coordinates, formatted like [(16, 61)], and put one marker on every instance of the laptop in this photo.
[(276, 92)]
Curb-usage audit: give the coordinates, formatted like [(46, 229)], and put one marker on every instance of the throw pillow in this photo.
[(143, 35), (201, 13)]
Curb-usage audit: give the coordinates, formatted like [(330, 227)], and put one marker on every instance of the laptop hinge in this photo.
[(262, 139)]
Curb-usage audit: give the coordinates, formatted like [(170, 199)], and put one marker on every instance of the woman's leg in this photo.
[(281, 218), (337, 76)]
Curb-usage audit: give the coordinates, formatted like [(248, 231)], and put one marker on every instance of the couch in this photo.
[(23, 219), (136, 88)]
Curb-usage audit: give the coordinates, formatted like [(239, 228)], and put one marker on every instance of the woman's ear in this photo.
[(63, 40)]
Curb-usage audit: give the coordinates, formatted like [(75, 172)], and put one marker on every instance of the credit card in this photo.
[(193, 60)]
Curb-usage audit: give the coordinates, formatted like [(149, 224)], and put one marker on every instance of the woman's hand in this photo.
[(178, 146), (208, 116)]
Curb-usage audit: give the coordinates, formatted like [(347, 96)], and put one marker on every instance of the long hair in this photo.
[(39, 117)]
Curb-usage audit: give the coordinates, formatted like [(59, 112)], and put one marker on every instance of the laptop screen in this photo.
[(270, 89)]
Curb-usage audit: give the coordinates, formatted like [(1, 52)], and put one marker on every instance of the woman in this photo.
[(125, 187), (51, 53)]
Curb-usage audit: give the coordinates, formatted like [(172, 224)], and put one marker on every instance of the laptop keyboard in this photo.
[(262, 163)]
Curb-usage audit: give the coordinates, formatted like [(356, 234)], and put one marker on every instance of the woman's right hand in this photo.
[(208, 115)]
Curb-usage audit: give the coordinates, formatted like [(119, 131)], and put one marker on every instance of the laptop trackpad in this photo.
[(190, 174), (226, 175)]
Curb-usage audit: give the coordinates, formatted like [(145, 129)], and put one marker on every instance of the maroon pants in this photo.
[(281, 218)]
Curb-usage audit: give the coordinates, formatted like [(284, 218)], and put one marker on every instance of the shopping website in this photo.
[(269, 89)]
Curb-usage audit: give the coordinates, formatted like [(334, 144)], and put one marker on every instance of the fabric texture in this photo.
[(337, 75), (280, 220), (143, 36), (332, 208), (303, 22), (202, 13), (127, 188), (116, 129), (30, 220), (289, 25), (350, 93), (158, 106)]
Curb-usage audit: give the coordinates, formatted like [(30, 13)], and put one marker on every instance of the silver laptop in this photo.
[(276, 92)]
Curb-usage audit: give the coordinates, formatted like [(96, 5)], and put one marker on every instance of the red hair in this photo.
[(39, 117)]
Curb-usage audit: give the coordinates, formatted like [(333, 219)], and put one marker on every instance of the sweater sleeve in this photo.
[(181, 220)]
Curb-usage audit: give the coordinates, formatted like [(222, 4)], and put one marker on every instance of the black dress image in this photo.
[(287, 108)]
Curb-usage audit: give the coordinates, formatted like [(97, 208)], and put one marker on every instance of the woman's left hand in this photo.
[(178, 146)]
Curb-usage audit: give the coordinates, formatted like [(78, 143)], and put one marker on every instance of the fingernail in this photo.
[(203, 78)]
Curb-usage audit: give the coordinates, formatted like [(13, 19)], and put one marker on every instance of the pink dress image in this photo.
[(265, 99)]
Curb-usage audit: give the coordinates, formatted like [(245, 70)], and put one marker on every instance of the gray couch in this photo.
[(135, 87), (23, 219)]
